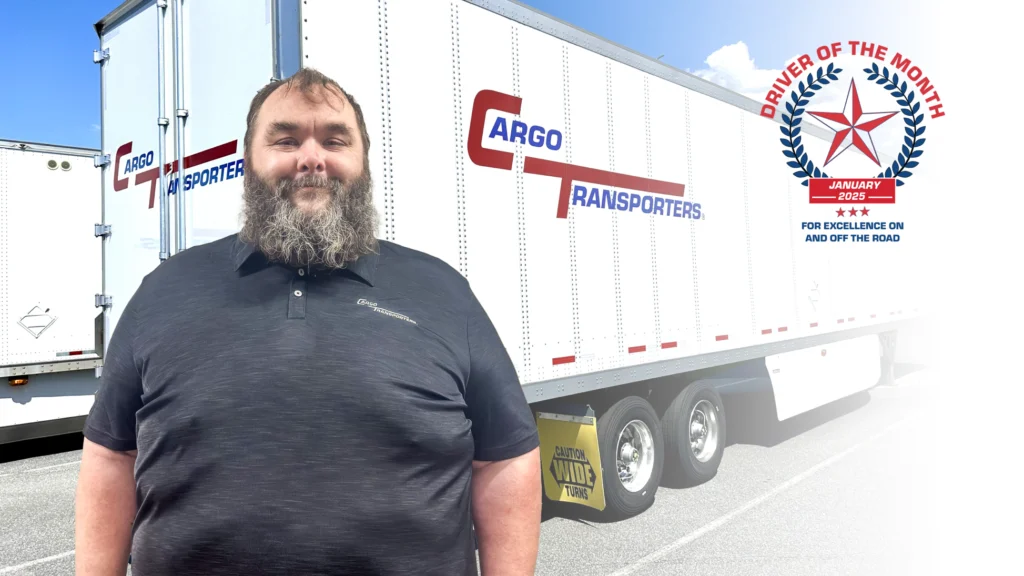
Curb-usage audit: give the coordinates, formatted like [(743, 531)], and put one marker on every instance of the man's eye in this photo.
[(335, 142), (285, 142)]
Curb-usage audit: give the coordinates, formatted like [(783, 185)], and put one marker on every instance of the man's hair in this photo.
[(306, 80)]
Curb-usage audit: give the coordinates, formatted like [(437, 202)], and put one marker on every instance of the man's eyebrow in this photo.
[(338, 128), (276, 127)]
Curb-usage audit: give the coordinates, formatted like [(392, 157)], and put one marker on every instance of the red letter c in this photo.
[(489, 100)]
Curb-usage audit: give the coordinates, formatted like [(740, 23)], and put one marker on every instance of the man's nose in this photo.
[(311, 159)]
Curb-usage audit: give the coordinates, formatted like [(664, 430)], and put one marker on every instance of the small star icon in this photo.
[(852, 126), (840, 211), (853, 211), (864, 212)]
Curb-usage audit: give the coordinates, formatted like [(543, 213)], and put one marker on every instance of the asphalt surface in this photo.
[(849, 488)]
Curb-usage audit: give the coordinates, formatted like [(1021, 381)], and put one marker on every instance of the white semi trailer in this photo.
[(51, 330), (629, 227)]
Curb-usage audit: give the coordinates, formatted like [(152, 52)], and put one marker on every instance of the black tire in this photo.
[(682, 465), (621, 502)]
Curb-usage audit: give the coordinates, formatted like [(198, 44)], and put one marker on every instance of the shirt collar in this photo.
[(244, 253)]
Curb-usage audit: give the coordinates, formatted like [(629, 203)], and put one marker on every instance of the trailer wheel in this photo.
[(694, 427), (632, 456)]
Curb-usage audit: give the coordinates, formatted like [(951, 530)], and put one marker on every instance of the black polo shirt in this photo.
[(299, 422)]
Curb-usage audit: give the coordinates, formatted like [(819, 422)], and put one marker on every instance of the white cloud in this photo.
[(95, 127), (732, 67)]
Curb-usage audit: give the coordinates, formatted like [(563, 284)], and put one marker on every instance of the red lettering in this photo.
[(900, 62), (823, 53), (773, 97), (924, 85), (805, 61), (768, 111), (935, 110), (880, 53), (933, 97), (837, 47), (911, 74), (490, 100), (853, 46), (867, 49), (792, 70), (124, 150)]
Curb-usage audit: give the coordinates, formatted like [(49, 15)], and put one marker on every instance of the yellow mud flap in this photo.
[(570, 460)]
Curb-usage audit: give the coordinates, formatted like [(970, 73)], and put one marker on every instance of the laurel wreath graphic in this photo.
[(912, 142), (792, 146), (794, 149)]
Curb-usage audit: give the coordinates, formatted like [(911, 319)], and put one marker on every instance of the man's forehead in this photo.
[(289, 99)]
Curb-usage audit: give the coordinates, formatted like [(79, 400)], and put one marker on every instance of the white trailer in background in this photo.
[(50, 275), (508, 143)]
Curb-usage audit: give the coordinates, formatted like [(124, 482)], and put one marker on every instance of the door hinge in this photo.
[(103, 301), (101, 56), (102, 230), (100, 160)]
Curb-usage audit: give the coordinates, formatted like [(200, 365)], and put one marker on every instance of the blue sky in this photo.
[(51, 85)]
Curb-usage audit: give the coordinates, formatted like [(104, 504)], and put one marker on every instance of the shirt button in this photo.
[(298, 293), (302, 272)]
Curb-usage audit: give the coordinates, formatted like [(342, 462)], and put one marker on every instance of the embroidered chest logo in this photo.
[(373, 305)]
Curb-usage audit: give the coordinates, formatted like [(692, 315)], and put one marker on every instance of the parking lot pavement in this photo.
[(850, 488)]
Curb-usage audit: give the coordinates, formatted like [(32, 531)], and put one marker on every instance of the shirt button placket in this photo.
[(297, 298)]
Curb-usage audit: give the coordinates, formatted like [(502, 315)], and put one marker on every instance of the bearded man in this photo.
[(302, 397)]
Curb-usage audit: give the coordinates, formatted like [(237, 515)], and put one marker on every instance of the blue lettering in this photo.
[(686, 209), (608, 199), (213, 175), (135, 164), (499, 129), (634, 201), (648, 204), (230, 170), (223, 169), (551, 135), (149, 158), (623, 203), (518, 132), (696, 211), (534, 140), (676, 204), (204, 178), (239, 171), (595, 198), (659, 205), (579, 195)]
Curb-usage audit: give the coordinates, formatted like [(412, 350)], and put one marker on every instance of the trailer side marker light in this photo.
[(766, 331), (668, 345), (722, 337), (635, 349), (563, 360), (17, 380)]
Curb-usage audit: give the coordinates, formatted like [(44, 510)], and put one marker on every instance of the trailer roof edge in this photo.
[(117, 15), (26, 146)]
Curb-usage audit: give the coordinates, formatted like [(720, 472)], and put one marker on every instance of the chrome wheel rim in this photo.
[(704, 429), (635, 455)]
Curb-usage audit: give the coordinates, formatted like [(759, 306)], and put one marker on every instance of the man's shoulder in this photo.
[(192, 263), (416, 264)]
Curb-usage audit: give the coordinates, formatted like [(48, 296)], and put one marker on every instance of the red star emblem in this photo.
[(852, 126), (840, 212), (864, 212), (853, 211)]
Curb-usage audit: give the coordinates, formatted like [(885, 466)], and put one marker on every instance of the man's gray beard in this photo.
[(336, 234)]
